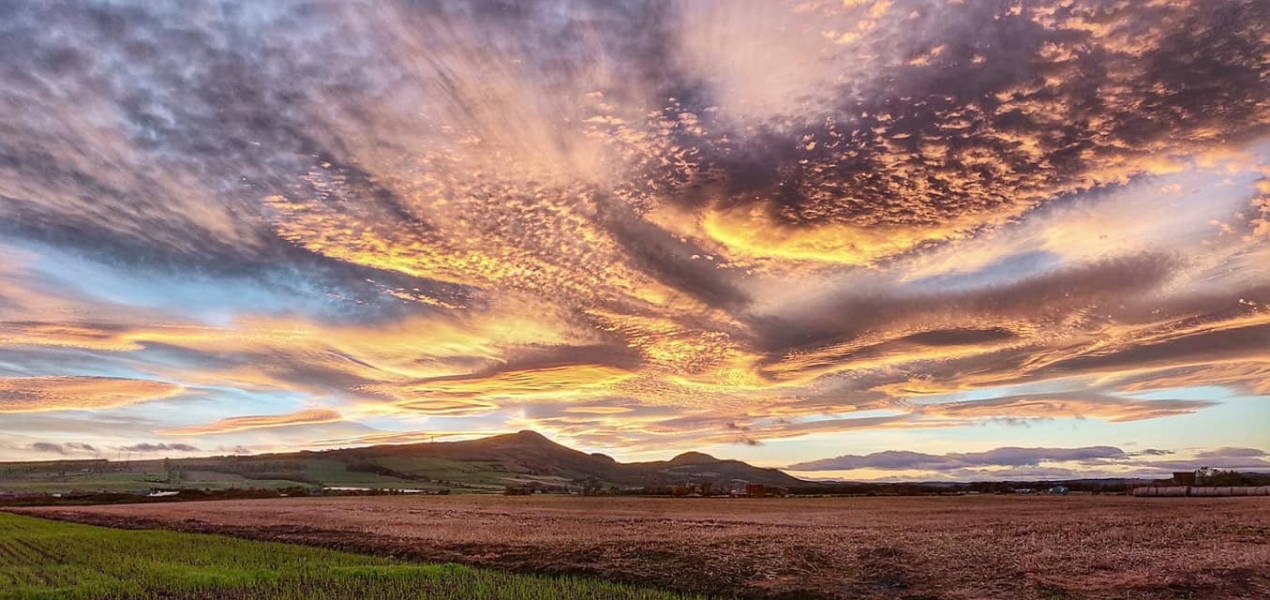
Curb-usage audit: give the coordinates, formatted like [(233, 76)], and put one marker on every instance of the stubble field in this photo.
[(939, 547)]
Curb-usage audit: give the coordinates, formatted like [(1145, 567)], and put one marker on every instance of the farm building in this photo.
[(745, 489), (1184, 478)]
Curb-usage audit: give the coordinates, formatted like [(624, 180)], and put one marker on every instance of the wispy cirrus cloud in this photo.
[(1066, 406), (235, 424)]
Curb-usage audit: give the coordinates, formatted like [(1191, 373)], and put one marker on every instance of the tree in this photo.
[(173, 472), (1218, 477), (592, 487)]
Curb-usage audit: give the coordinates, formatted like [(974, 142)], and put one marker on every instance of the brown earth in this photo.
[(934, 547)]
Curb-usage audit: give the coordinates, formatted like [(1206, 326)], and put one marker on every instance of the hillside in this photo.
[(489, 464)]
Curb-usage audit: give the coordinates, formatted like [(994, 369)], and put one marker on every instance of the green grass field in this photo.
[(42, 559), (225, 474)]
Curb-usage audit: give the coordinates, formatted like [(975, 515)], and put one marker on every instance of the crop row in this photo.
[(48, 560)]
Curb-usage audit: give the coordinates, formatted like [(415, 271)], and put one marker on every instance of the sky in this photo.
[(863, 239)]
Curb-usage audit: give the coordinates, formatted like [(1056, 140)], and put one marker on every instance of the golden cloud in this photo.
[(561, 382), (46, 394), (449, 407), (751, 236), (1065, 406), (236, 424)]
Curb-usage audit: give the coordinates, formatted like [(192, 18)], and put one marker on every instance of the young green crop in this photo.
[(46, 560)]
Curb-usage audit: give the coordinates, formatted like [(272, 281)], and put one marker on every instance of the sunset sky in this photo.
[(869, 239)]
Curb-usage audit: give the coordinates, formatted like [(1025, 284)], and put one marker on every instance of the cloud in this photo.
[(1067, 405), (553, 381), (236, 424), (1252, 377), (910, 148), (42, 394), (1229, 452), (1234, 463), (999, 457), (63, 449), (148, 448), (1035, 463), (839, 316), (411, 437)]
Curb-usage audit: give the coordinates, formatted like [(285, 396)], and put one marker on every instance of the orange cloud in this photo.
[(411, 437), (1070, 406), (63, 335), (566, 381), (754, 235), (1251, 376), (235, 424), (46, 394), (446, 406)]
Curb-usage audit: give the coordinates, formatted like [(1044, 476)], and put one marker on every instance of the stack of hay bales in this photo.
[(1178, 491), (1162, 491)]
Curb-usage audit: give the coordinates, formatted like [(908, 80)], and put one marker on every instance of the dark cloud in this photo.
[(676, 263), (1235, 463), (193, 153), (1230, 452), (889, 460), (64, 448), (318, 368), (279, 93), (840, 316), (1204, 346), (959, 337), (999, 457), (147, 447), (1011, 462), (1167, 340), (987, 107)]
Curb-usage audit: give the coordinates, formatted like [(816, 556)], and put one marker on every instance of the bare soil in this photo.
[(1097, 547)]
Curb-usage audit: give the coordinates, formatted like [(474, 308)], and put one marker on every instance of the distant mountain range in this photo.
[(518, 460), (529, 454), (526, 459)]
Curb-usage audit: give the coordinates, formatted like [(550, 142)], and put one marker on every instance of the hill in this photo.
[(488, 464)]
